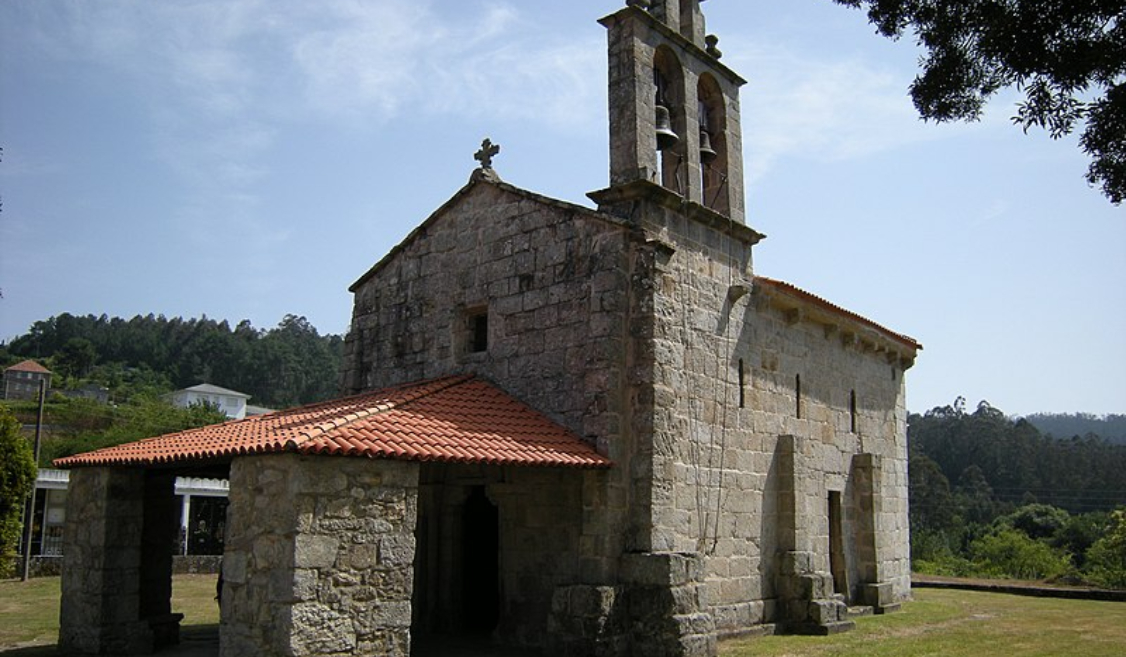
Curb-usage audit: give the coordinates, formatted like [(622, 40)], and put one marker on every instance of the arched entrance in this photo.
[(480, 594)]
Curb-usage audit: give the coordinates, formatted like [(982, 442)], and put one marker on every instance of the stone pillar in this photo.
[(666, 605), (319, 557), (587, 621), (633, 152), (100, 612), (866, 475), (865, 469), (808, 604)]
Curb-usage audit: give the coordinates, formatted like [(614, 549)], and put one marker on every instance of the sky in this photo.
[(246, 159)]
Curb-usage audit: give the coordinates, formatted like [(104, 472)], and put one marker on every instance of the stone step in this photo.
[(859, 611), (836, 628), (820, 629), (889, 608)]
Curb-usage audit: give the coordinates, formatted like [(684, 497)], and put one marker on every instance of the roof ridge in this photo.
[(416, 392)]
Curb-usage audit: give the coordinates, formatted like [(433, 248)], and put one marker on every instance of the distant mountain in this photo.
[(1111, 428)]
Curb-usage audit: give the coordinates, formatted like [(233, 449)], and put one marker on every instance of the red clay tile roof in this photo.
[(809, 297), (28, 366), (459, 419)]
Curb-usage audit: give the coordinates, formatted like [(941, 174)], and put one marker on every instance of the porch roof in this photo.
[(458, 419)]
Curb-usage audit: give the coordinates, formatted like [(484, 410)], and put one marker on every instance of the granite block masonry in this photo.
[(319, 557)]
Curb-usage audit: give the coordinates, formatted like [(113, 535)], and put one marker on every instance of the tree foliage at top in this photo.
[(285, 366), (1068, 58)]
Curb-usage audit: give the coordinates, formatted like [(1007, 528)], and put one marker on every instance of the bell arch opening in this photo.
[(714, 160), (671, 119)]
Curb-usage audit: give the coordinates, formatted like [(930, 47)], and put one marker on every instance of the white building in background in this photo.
[(230, 402), (203, 511)]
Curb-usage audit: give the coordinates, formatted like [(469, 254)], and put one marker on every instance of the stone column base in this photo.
[(665, 600), (586, 621), (881, 597), (810, 605), (658, 611)]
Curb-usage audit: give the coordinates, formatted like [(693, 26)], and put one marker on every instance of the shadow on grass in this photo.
[(195, 641), (35, 651)]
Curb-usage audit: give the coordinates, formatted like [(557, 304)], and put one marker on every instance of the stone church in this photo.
[(579, 431)]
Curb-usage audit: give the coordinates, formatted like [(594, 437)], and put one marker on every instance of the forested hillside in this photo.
[(993, 496), (287, 365), (1111, 428)]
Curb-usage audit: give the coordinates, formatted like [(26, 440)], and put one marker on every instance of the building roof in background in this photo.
[(28, 366), (458, 419), (208, 389)]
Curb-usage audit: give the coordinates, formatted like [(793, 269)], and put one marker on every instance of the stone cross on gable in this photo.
[(487, 153), (485, 157)]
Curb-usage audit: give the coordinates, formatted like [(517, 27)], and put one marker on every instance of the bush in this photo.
[(1080, 533), (109, 426), (17, 478), (1106, 560), (1012, 554), (1036, 520)]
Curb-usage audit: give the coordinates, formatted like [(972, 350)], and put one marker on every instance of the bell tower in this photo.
[(674, 109)]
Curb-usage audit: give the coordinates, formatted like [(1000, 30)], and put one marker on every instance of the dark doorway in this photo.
[(836, 545), (480, 596)]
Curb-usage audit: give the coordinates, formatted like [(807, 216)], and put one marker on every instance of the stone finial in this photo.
[(712, 49), (485, 156), (488, 151), (640, 4)]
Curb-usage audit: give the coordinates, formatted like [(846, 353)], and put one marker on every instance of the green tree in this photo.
[(932, 505), (1106, 560), (17, 478), (1080, 533), (1067, 57), (1037, 521), (141, 418), (76, 357), (1012, 554)]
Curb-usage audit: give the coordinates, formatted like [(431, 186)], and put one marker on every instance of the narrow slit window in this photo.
[(852, 410), (742, 385), (797, 396)]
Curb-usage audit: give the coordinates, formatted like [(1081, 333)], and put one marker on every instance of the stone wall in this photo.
[(319, 557), (538, 534), (117, 579), (639, 327), (555, 282), (725, 382)]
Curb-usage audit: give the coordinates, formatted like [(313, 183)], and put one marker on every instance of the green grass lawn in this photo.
[(949, 623), (944, 623), (29, 611)]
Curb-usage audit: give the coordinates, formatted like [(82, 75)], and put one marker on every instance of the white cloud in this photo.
[(825, 110), (388, 59)]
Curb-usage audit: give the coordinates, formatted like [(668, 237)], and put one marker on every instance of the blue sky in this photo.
[(252, 158)]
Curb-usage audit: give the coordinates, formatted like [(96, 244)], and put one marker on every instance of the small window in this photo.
[(742, 385), (478, 325), (852, 411), (797, 396)]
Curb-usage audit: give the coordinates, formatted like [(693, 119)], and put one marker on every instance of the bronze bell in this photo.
[(707, 153), (666, 138)]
